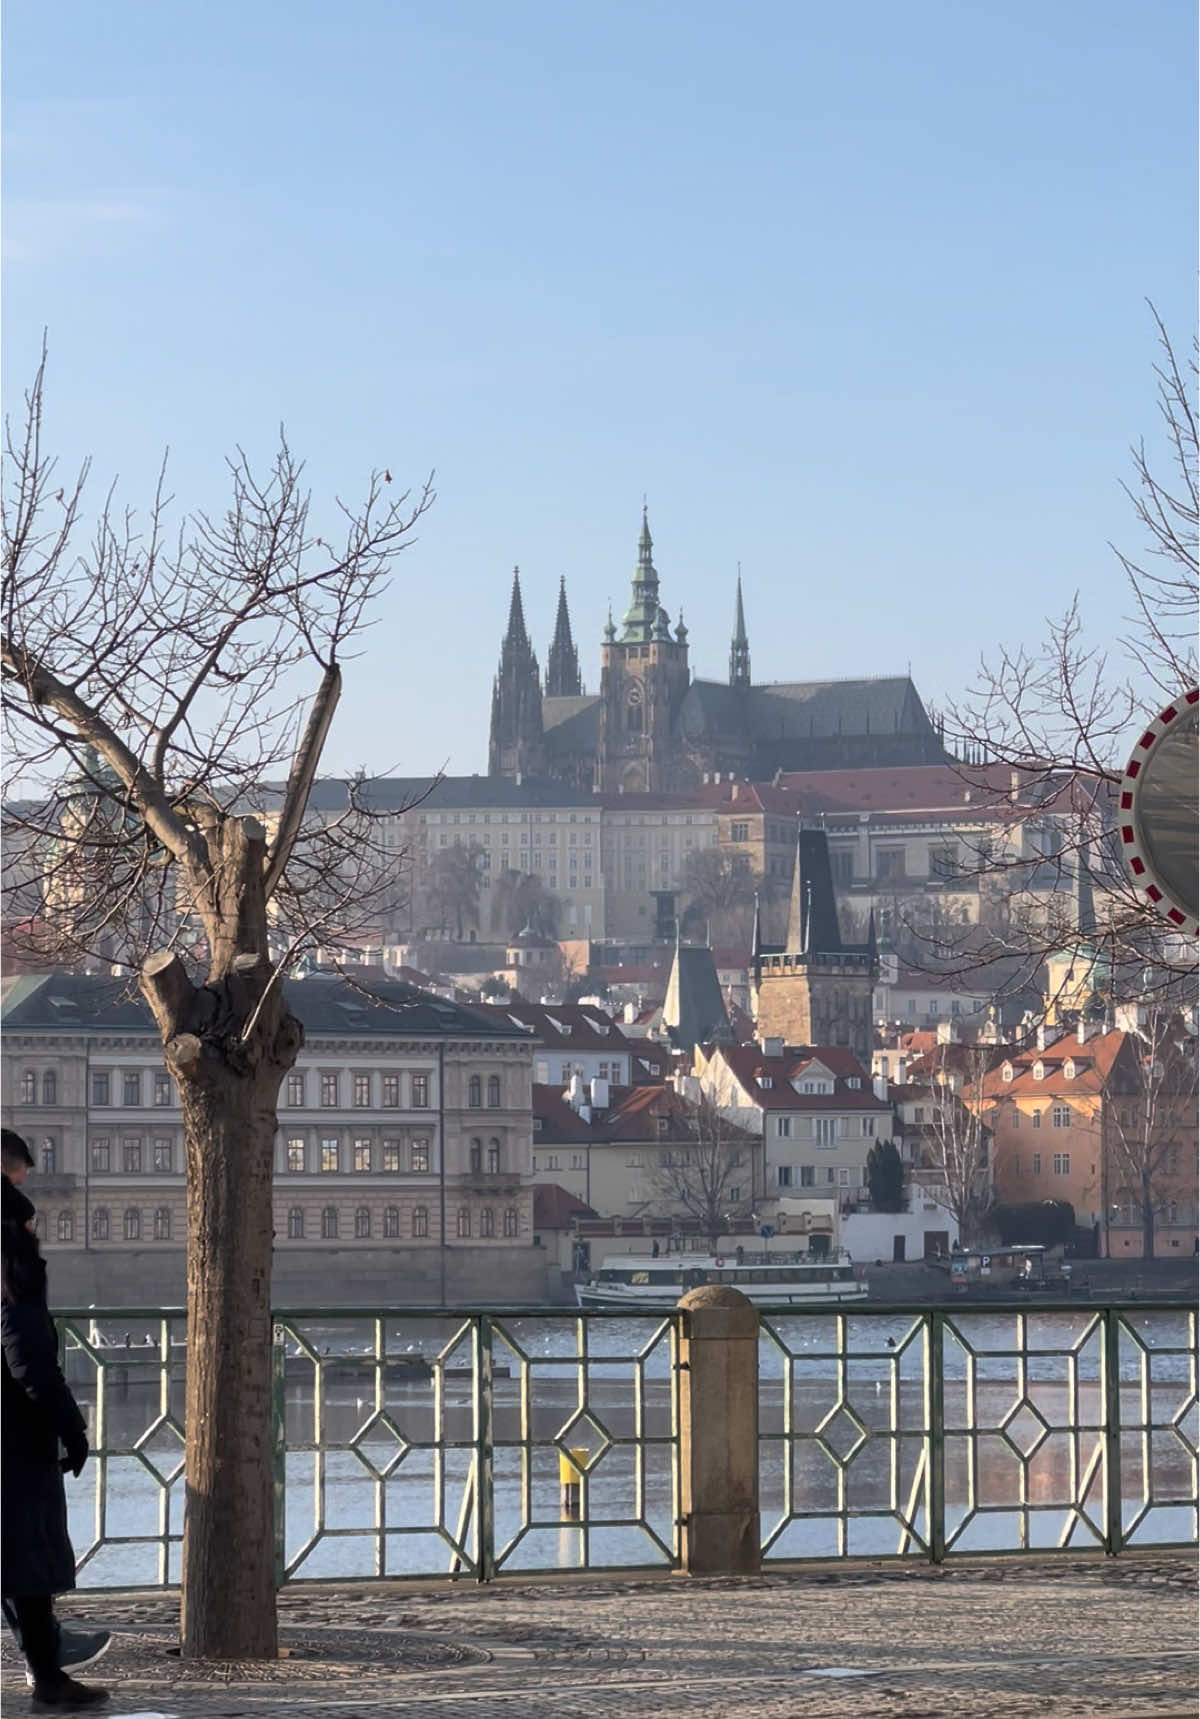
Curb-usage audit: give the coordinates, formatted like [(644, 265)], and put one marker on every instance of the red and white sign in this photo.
[(1159, 808)]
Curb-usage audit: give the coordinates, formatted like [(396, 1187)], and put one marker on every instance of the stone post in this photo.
[(718, 1433)]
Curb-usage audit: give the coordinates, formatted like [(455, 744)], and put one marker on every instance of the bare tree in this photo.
[(454, 885), (719, 889), (522, 901), (1150, 1118), (957, 1143), (1048, 726), (151, 684), (704, 1171)]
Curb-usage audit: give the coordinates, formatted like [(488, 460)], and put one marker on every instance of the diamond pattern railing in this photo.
[(925, 1432), (479, 1444)]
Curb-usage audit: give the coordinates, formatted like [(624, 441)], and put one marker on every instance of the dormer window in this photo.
[(1069, 1069), (766, 1082), (1006, 1073), (854, 1082), (1039, 1070)]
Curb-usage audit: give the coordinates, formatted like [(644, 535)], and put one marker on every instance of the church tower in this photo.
[(816, 990), (643, 678), (562, 665), (739, 650), (515, 745)]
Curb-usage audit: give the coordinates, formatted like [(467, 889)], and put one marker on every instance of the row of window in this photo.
[(475, 1092), (133, 1157), (1060, 1162), (330, 1222), (1060, 1117), (418, 1223), (826, 1130), (132, 1224), (824, 1175), (392, 1157), (552, 1161), (329, 1089), (44, 1089)]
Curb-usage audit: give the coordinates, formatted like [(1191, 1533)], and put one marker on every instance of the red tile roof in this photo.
[(556, 1209), (747, 1062)]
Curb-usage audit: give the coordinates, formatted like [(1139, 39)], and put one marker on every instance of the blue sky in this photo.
[(854, 293)]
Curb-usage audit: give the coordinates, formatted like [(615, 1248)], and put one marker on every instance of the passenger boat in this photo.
[(768, 1279)]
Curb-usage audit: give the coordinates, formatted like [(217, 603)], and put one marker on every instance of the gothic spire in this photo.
[(562, 665), (812, 912), (515, 743), (739, 650), (645, 619), (516, 634)]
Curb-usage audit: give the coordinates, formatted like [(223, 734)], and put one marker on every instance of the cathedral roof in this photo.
[(803, 710), (571, 724)]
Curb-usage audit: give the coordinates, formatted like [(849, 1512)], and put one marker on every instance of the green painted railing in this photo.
[(417, 1443)]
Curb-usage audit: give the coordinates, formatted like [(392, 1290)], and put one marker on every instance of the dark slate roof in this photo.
[(398, 793), (324, 1004), (571, 724), (693, 1010), (803, 710)]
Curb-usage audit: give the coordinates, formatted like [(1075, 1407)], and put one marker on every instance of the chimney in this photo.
[(902, 1071), (599, 1092), (575, 1092), (1081, 1031), (1041, 1035), (1014, 784), (880, 1084), (771, 1047)]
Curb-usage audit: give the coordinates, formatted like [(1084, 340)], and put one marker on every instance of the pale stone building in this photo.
[(404, 1135)]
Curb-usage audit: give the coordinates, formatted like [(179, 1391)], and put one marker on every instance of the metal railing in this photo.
[(476, 1444)]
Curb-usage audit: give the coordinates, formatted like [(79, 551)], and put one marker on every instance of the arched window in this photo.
[(476, 1159), (162, 1223), (329, 1223), (133, 1224), (391, 1222), (49, 1157), (1006, 1072), (100, 1224), (487, 1223), (493, 1156), (1039, 1070), (512, 1221), (66, 1226), (493, 1092), (464, 1220), (296, 1223), (475, 1092), (29, 1087), (420, 1222), (49, 1087), (362, 1223)]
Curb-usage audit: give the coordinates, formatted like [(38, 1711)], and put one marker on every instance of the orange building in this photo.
[(1082, 1120)]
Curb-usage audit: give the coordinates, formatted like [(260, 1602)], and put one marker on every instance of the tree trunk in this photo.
[(1147, 1218), (228, 1609)]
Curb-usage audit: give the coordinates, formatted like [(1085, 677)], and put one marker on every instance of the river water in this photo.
[(372, 1489)]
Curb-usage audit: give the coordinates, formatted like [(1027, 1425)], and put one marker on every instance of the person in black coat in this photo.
[(37, 1413)]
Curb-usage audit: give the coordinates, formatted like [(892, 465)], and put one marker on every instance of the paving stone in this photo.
[(1019, 1638)]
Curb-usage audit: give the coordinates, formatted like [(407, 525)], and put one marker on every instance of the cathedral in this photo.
[(653, 728)]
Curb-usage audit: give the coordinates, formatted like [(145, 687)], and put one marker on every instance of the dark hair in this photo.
[(13, 1149)]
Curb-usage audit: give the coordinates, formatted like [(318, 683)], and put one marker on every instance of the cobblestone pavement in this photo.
[(1062, 1638)]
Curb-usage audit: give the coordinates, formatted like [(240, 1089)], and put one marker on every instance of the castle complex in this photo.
[(653, 728)]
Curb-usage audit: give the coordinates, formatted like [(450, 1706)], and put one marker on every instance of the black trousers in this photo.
[(31, 1619)]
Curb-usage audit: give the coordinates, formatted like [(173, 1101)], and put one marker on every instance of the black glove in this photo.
[(77, 1454)]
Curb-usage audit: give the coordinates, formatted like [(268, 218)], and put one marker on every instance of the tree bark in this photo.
[(228, 1609)]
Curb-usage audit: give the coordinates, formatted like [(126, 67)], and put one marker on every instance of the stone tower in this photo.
[(643, 679), (563, 679), (515, 745), (816, 990)]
